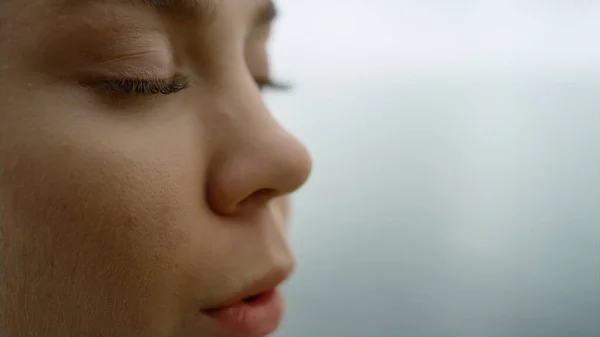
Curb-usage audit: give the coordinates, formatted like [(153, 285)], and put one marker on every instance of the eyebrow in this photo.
[(206, 10)]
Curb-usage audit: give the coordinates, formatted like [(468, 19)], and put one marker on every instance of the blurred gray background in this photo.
[(456, 186)]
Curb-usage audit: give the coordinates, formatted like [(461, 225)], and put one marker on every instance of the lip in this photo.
[(256, 311), (258, 316)]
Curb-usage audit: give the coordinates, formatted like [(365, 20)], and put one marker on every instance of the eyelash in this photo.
[(165, 87), (147, 87), (267, 83)]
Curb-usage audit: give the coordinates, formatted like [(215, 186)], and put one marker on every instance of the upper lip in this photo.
[(267, 282)]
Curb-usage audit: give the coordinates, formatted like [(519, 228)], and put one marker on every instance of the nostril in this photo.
[(257, 198)]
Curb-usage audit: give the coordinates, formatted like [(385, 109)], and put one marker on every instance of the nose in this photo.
[(260, 162)]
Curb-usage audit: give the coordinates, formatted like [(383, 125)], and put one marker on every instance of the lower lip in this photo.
[(256, 318)]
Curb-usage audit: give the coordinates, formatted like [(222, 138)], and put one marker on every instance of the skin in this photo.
[(127, 215)]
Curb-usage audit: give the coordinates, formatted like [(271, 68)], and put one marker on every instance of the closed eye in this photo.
[(145, 87)]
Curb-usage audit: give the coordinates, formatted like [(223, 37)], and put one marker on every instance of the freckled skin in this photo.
[(125, 215)]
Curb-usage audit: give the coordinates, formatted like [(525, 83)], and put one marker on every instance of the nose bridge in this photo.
[(256, 160)]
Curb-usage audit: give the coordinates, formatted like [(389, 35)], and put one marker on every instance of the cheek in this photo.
[(84, 223)]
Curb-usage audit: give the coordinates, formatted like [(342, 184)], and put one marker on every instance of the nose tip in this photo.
[(256, 172), (290, 168)]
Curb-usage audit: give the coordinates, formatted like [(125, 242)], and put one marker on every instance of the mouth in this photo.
[(255, 316), (255, 312)]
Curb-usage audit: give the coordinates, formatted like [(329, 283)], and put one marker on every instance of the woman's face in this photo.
[(142, 178)]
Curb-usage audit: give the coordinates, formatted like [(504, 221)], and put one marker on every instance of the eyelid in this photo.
[(150, 64), (129, 71)]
